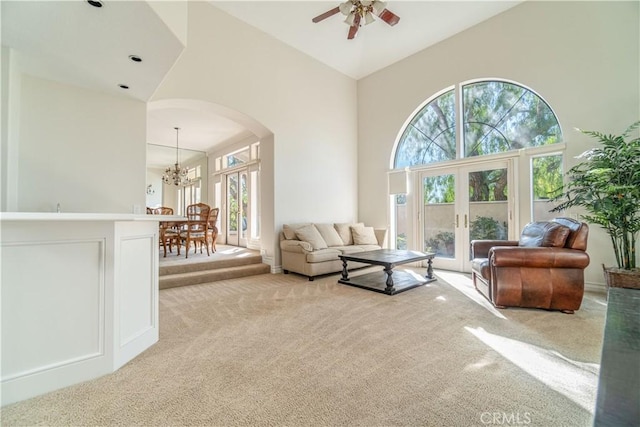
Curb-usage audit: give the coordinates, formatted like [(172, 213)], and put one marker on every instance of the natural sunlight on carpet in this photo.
[(576, 380)]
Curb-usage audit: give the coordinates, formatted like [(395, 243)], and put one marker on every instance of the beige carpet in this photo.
[(279, 350)]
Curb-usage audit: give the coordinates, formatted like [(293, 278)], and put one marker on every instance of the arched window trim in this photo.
[(457, 88), (410, 118)]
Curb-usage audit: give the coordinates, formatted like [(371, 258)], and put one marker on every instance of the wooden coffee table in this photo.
[(387, 282)]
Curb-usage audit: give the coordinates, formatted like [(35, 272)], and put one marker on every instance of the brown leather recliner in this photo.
[(544, 269)]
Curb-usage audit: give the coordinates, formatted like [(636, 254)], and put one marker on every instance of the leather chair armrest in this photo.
[(537, 257), (480, 248)]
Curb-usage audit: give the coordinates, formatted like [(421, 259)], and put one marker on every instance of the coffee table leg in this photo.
[(429, 268), (390, 289), (345, 272)]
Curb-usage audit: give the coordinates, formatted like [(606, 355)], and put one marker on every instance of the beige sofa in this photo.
[(313, 249)]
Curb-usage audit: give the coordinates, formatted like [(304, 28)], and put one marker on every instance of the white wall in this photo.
[(154, 178), (582, 57), (10, 91), (309, 108), (83, 149)]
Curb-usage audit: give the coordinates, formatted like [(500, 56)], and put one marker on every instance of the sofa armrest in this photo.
[(480, 248), (535, 257), (381, 236), (297, 246)]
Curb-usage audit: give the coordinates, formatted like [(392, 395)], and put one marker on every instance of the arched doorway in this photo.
[(217, 132)]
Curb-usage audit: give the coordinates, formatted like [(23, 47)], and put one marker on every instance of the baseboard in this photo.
[(595, 287)]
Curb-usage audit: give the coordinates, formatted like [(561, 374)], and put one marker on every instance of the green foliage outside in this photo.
[(442, 244), (497, 117), (547, 177), (487, 228)]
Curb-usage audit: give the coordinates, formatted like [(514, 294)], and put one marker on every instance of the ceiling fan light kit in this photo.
[(359, 11)]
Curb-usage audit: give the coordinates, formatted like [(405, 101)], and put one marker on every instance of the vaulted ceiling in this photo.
[(75, 43)]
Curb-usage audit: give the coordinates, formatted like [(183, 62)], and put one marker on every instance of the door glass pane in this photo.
[(255, 190), (401, 221), (546, 180), (244, 199), (232, 202), (439, 214), (488, 207)]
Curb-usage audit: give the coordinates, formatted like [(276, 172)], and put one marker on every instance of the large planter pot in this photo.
[(620, 278)]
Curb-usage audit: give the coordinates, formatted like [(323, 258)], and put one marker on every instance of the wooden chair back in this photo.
[(197, 226)]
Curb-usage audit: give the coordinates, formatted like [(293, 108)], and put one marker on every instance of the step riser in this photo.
[(195, 278), (206, 266)]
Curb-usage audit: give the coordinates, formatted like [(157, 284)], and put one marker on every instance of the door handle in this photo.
[(457, 220), (465, 220)]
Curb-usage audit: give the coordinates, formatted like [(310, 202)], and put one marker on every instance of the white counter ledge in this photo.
[(79, 297), (73, 216)]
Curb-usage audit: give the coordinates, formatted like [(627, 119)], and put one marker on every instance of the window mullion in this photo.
[(459, 122)]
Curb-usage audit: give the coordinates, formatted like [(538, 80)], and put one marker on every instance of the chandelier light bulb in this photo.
[(368, 18), (345, 8)]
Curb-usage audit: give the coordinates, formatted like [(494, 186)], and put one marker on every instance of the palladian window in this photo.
[(459, 163), (497, 117)]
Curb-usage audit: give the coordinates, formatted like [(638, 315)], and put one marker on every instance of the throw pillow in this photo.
[(289, 230), (329, 234), (344, 230), (364, 236), (309, 233)]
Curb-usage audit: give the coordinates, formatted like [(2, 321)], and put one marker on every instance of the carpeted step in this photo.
[(166, 270), (206, 276)]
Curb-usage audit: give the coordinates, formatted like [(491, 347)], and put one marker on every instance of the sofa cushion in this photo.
[(544, 234), (344, 230), (363, 236), (289, 230), (329, 234), (309, 233), (322, 255), (367, 248), (348, 250)]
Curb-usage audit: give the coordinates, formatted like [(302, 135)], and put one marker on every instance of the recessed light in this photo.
[(135, 58), (121, 86), (95, 3)]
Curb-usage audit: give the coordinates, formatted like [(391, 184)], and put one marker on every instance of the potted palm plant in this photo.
[(606, 184)]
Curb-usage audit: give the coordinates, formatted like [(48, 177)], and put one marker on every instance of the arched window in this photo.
[(497, 116)]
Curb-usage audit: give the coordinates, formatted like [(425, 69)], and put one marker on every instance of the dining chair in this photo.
[(212, 229), (163, 210), (196, 227), (169, 234)]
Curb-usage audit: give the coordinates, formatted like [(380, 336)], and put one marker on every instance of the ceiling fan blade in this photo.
[(325, 15), (353, 30), (389, 17)]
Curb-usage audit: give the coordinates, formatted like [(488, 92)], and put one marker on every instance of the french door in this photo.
[(237, 220), (463, 203)]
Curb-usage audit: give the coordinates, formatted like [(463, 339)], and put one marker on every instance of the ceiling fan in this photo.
[(358, 10)]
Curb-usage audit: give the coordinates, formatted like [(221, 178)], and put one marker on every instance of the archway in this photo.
[(232, 129)]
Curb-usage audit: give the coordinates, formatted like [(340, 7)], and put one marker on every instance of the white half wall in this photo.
[(582, 57)]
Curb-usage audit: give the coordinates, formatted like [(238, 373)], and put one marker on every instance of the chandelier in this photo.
[(176, 175)]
